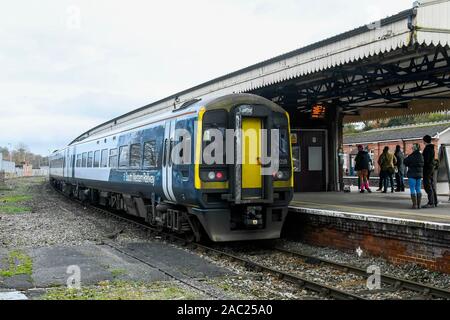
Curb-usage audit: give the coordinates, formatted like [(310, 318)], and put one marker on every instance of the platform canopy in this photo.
[(394, 67)]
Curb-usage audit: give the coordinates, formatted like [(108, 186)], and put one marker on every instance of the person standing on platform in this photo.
[(362, 166), (415, 164), (387, 162), (429, 183), (400, 169)]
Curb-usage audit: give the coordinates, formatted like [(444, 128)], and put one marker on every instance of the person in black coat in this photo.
[(415, 164), (400, 169), (428, 173), (362, 166)]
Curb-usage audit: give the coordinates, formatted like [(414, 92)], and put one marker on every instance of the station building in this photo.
[(394, 67), (399, 66)]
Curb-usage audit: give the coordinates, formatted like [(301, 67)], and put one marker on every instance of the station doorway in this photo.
[(310, 155)]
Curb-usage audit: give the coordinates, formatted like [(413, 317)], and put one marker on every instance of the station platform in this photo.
[(378, 224), (392, 208)]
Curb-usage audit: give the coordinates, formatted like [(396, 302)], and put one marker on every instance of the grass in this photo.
[(14, 209), (17, 263), (118, 272), (122, 290), (15, 199), (9, 204)]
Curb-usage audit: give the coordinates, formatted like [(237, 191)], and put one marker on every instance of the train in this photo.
[(143, 170)]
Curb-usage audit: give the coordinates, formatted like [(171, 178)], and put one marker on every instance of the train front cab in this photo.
[(240, 203)]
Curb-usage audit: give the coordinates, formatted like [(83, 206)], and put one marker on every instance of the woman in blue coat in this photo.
[(415, 165)]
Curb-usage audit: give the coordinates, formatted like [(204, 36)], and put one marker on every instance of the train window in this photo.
[(284, 143), (104, 161), (150, 155), (135, 155), (97, 159), (90, 159), (113, 158), (84, 160), (78, 165), (215, 122), (124, 156)]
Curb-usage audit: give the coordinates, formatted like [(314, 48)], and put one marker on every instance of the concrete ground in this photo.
[(100, 263), (387, 206), (45, 239)]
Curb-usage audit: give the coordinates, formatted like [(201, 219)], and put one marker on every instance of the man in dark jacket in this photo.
[(400, 169), (362, 166), (428, 173)]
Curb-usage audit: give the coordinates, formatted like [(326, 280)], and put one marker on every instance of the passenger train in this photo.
[(131, 169)]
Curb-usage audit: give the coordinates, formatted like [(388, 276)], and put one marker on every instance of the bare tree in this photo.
[(20, 153)]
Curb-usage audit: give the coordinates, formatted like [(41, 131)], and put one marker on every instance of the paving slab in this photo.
[(101, 262), (12, 295), (177, 260)]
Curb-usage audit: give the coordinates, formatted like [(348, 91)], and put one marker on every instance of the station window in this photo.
[(150, 154), (113, 158), (104, 161), (135, 155), (97, 159), (124, 156), (84, 160)]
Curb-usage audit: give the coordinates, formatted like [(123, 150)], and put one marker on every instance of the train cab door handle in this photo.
[(170, 152), (165, 153)]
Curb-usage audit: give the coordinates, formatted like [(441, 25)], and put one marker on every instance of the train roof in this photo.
[(188, 107)]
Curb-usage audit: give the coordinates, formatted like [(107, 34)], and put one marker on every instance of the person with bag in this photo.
[(387, 162), (415, 164)]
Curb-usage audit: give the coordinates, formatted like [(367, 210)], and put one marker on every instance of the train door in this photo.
[(167, 164), (310, 160), (252, 178), (73, 161), (67, 163)]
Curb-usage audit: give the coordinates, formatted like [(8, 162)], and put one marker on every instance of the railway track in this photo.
[(324, 290), (394, 282), (304, 283)]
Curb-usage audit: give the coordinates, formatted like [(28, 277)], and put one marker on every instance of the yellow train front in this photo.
[(220, 168), (246, 195)]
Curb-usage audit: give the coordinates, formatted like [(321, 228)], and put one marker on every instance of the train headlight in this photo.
[(211, 175), (280, 175)]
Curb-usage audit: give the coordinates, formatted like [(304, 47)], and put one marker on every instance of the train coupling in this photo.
[(253, 216)]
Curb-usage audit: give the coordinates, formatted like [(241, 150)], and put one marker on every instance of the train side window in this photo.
[(124, 156), (78, 165), (84, 161), (97, 159), (150, 155), (90, 159), (104, 161), (135, 155), (113, 158)]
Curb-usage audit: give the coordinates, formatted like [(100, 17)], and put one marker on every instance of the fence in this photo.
[(27, 172)]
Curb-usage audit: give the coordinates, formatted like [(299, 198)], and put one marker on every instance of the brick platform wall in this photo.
[(399, 244)]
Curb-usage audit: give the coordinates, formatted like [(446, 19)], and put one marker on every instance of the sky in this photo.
[(67, 66)]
